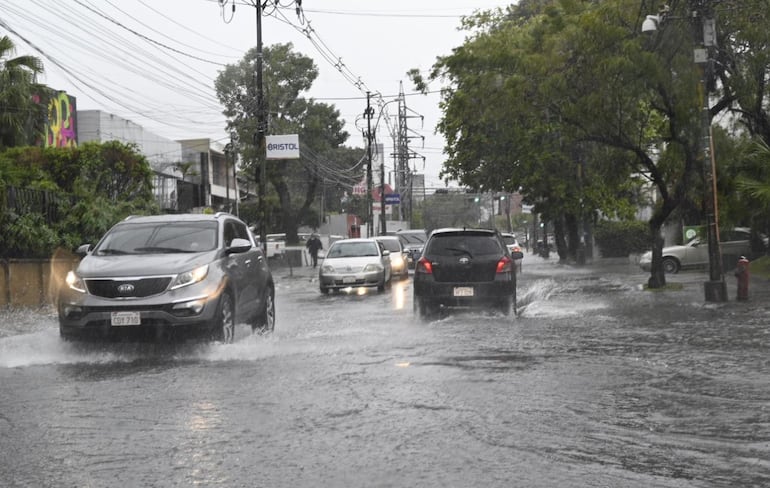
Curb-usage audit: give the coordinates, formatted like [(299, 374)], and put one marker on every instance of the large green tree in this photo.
[(23, 101), (293, 184), (549, 86)]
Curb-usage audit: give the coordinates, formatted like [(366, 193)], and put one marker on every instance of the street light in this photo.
[(715, 289)]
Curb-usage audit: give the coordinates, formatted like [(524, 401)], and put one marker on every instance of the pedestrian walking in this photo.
[(313, 246)]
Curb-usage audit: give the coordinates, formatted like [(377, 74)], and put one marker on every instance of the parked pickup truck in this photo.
[(276, 245)]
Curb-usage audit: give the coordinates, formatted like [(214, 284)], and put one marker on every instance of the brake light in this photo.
[(504, 265), (424, 266)]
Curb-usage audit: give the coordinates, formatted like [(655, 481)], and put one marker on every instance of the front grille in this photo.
[(127, 288)]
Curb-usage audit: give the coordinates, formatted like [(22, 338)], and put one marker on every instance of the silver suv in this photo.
[(164, 276)]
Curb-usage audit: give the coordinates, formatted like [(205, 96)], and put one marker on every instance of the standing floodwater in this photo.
[(596, 383)]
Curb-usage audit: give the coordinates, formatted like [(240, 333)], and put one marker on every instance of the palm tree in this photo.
[(23, 101)]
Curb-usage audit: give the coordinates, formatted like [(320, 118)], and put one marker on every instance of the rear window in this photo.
[(509, 240), (468, 244), (391, 245)]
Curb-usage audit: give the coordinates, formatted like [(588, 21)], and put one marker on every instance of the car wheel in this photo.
[(381, 285), (506, 306), (670, 265), (424, 308), (64, 336), (266, 318), (324, 290), (224, 327)]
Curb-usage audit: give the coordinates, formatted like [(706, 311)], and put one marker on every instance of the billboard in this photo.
[(282, 147)]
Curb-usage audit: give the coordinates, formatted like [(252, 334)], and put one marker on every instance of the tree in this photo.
[(563, 84), (23, 102), (293, 183)]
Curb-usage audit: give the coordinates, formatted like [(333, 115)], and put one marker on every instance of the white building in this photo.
[(188, 173)]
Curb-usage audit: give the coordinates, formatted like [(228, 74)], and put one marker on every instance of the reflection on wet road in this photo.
[(595, 383)]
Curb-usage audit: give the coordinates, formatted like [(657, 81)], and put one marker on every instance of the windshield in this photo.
[(353, 249), (159, 237), (391, 245), (463, 244), (413, 238)]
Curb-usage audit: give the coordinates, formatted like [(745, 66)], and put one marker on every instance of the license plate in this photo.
[(120, 319), (463, 291), (348, 279)]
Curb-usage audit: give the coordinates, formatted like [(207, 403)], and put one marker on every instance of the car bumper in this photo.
[(341, 281), (445, 293), (87, 317)]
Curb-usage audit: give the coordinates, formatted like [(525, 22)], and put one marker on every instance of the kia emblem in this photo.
[(125, 288)]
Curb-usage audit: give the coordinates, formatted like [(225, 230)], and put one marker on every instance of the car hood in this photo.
[(352, 262), (93, 266)]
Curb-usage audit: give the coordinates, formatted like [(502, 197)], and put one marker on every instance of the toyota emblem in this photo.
[(464, 260)]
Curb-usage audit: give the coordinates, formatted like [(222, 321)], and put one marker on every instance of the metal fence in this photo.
[(51, 205)]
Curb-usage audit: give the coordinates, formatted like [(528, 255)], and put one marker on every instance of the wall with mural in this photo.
[(61, 129)]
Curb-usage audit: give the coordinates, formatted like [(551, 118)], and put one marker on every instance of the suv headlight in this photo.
[(75, 282), (190, 277)]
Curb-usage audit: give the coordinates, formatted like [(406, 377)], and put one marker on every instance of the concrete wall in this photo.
[(32, 282)]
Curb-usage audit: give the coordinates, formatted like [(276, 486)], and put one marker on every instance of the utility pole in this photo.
[(259, 135), (234, 141), (383, 219), (404, 177), (715, 289), (370, 214), (260, 170)]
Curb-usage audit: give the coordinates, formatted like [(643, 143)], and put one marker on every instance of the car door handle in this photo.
[(248, 262)]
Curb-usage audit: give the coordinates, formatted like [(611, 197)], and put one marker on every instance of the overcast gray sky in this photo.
[(154, 62)]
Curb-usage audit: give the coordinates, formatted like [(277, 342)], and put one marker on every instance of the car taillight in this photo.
[(516, 249), (424, 266), (504, 265)]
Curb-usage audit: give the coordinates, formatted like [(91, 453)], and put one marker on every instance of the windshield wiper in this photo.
[(163, 250), (112, 252)]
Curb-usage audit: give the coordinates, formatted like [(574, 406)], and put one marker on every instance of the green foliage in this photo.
[(27, 236), (621, 238), (292, 185), (93, 187), (22, 99)]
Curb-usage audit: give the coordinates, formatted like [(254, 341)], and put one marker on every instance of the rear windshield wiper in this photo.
[(461, 251)]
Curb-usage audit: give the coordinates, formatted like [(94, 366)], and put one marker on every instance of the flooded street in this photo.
[(596, 383)]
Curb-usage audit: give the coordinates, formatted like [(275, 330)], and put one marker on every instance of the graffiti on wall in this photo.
[(61, 129)]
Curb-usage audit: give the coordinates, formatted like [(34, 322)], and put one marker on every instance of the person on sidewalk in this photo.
[(313, 246)]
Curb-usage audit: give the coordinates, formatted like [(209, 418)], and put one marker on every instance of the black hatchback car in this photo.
[(164, 276), (465, 268)]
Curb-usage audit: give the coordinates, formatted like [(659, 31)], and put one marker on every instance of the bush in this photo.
[(621, 238), (27, 236)]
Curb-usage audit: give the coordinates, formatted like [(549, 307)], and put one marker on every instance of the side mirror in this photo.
[(83, 250), (386, 253), (238, 246)]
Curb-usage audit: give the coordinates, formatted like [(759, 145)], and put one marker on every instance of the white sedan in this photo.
[(355, 263)]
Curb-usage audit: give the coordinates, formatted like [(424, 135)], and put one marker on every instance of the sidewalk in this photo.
[(282, 270)]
